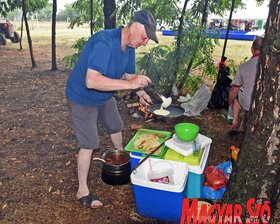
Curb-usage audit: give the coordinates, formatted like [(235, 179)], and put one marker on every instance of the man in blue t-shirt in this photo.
[(106, 64)]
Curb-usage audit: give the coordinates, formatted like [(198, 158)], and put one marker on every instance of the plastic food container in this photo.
[(161, 172), (164, 135)]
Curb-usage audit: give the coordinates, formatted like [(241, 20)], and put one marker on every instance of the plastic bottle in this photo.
[(230, 114), (196, 145)]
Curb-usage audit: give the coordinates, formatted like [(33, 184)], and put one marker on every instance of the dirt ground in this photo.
[(38, 148)]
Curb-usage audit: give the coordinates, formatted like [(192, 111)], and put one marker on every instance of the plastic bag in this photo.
[(226, 167), (215, 177), (219, 97), (198, 102), (208, 192)]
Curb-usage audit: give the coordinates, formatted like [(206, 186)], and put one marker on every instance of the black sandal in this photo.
[(88, 199), (233, 132)]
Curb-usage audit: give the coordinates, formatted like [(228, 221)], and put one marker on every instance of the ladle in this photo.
[(107, 160), (166, 102)]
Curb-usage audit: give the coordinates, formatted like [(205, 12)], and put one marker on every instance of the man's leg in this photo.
[(85, 127), (243, 124), (117, 140), (110, 119), (236, 110), (84, 160)]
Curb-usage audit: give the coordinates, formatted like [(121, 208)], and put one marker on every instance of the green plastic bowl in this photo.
[(186, 132)]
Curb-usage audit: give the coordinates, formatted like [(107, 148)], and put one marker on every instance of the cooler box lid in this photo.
[(191, 160), (186, 148)]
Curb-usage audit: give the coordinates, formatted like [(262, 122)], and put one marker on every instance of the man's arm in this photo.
[(95, 80), (144, 97), (233, 94)]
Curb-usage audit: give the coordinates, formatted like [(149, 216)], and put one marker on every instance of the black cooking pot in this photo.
[(116, 167)]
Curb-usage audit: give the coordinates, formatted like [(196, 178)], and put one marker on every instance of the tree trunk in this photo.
[(203, 23), (54, 65), (21, 33), (28, 34), (179, 40), (257, 172), (109, 14), (91, 17)]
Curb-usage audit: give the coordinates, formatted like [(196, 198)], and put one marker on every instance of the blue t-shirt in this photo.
[(103, 54)]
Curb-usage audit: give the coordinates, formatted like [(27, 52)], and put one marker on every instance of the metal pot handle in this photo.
[(99, 159)]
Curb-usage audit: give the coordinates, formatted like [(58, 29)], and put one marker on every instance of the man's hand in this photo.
[(145, 99), (140, 81)]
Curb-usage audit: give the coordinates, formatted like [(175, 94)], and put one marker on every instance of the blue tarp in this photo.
[(221, 34)]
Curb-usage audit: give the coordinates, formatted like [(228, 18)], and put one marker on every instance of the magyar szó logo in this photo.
[(195, 212)]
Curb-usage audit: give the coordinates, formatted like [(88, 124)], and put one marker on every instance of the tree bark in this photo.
[(54, 65), (28, 34), (179, 40), (21, 33), (257, 172), (109, 14), (91, 17)]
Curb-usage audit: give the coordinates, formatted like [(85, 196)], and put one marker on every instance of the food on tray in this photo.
[(146, 142), (161, 112)]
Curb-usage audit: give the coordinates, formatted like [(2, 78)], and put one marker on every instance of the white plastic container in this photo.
[(161, 172)]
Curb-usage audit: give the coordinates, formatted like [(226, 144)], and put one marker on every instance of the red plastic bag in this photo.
[(215, 177)]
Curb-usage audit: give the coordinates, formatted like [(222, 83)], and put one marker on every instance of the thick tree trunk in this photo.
[(54, 65), (28, 34), (109, 14), (257, 172)]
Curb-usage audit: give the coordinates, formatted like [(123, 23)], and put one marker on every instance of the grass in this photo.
[(65, 37)]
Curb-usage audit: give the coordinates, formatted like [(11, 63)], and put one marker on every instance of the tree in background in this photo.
[(45, 14), (54, 65), (82, 7), (69, 13), (28, 34), (109, 14)]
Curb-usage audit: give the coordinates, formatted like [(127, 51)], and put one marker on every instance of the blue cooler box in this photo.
[(158, 200), (196, 175), (134, 159)]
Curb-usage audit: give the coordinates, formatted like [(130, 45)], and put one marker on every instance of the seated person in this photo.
[(240, 96)]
